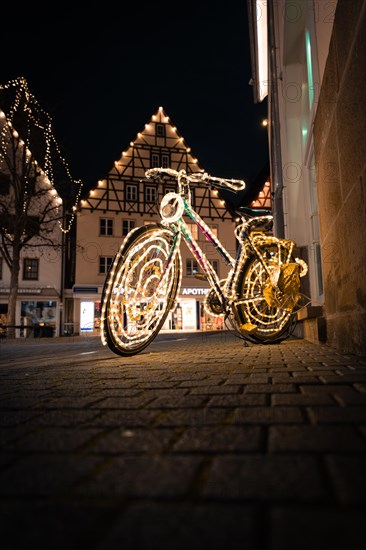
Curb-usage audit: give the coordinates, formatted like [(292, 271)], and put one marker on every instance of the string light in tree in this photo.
[(39, 118)]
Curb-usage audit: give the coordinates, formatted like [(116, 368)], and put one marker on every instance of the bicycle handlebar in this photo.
[(236, 185)]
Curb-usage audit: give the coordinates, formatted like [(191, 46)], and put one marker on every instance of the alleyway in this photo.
[(200, 443)]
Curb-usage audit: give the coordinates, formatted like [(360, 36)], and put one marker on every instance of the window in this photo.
[(160, 130), (1, 268), (165, 161), (191, 267), (150, 194), (105, 263), (213, 228), (106, 226), (127, 225), (193, 229), (131, 193), (215, 265), (30, 269), (155, 161)]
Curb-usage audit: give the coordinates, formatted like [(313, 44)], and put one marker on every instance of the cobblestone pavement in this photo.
[(196, 444)]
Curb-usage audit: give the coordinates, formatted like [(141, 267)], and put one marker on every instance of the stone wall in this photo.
[(340, 154)]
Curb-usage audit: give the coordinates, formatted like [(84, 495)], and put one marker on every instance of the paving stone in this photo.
[(300, 400), (220, 439), (14, 418), (237, 400), (53, 439), (193, 417), (153, 476), (337, 415), (350, 397), (67, 418), (42, 524), (266, 478), (121, 418), (137, 440), (39, 475), (157, 526), (349, 477), (270, 388), (267, 415), (169, 402), (316, 527), (123, 402), (317, 439)]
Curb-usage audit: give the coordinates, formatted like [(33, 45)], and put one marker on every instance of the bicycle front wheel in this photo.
[(140, 289), (267, 324)]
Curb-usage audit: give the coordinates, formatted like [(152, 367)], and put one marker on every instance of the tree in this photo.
[(31, 209)]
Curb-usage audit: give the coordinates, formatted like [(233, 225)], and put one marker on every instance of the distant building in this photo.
[(124, 200), (309, 58), (40, 286)]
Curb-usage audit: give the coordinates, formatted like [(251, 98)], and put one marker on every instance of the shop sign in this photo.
[(194, 291), (22, 291)]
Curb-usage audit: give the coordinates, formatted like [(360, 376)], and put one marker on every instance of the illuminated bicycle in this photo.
[(258, 300)]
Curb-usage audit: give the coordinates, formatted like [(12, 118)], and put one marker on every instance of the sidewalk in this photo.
[(201, 443)]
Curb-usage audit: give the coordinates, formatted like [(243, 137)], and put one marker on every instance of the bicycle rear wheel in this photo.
[(268, 324), (140, 289)]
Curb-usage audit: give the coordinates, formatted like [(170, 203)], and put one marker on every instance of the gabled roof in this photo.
[(158, 137)]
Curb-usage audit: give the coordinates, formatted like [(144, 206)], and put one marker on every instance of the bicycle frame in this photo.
[(224, 293)]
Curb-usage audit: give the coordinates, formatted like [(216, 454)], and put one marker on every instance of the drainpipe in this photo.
[(274, 135)]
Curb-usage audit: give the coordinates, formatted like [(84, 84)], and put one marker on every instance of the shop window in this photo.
[(30, 269), (105, 263), (191, 267), (127, 226), (106, 226), (131, 193), (38, 319), (150, 194)]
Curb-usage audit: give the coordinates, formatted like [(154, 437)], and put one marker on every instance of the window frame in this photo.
[(130, 187), (129, 222), (149, 188), (107, 264), (191, 262), (159, 127), (32, 270), (108, 227)]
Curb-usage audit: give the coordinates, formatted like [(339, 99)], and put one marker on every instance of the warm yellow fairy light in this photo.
[(132, 143)]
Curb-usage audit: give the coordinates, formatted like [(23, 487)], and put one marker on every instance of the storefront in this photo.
[(37, 312), (190, 314)]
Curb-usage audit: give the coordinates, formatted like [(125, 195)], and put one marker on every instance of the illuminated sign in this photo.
[(86, 316), (192, 291)]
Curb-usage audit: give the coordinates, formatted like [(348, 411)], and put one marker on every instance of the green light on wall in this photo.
[(309, 68)]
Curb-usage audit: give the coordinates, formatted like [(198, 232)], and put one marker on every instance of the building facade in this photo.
[(125, 199), (39, 298), (309, 58)]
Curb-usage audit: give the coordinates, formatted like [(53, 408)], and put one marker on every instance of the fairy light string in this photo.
[(39, 118)]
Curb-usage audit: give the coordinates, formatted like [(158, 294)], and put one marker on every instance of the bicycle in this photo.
[(258, 300)]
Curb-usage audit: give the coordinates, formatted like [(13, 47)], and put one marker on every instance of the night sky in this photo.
[(102, 75)]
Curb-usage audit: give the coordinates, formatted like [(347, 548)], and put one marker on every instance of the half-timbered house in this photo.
[(125, 199)]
